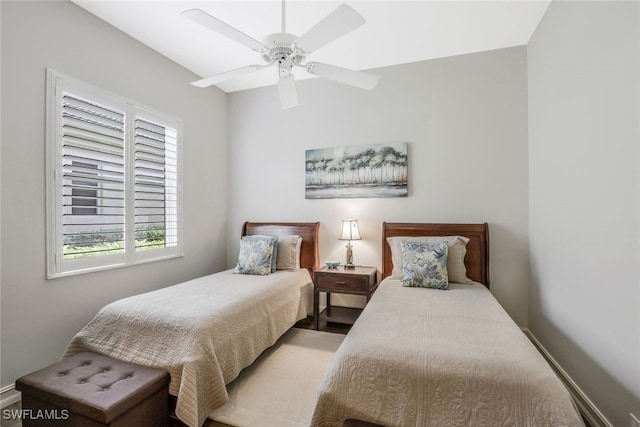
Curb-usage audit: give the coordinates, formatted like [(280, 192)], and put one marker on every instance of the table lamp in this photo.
[(350, 232)]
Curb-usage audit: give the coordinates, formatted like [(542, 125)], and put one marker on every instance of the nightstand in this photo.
[(359, 281)]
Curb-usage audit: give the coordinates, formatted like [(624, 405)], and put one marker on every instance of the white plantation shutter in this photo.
[(156, 183), (113, 199), (93, 164)]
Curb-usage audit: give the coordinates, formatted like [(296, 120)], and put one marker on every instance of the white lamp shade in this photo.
[(350, 230)]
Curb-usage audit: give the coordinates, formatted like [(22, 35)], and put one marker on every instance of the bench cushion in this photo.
[(93, 385)]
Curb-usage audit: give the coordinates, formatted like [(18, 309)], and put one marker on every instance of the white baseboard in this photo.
[(589, 411), (9, 395)]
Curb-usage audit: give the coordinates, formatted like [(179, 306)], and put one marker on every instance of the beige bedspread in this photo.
[(203, 332), (427, 357)]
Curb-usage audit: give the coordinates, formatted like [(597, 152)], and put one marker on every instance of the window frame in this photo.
[(57, 266)]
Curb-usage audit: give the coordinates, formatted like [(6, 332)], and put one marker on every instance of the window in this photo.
[(113, 199), (84, 194)]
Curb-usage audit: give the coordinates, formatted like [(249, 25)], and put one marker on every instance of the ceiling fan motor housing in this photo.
[(280, 47)]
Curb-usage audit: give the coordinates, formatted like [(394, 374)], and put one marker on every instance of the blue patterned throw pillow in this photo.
[(255, 256), (274, 242), (424, 264)]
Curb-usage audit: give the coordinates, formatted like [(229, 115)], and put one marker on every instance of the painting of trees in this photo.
[(356, 171)]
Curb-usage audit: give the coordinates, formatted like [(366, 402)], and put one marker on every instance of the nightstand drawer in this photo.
[(342, 283)]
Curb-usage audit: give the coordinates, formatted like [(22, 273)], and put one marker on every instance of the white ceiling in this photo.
[(396, 32)]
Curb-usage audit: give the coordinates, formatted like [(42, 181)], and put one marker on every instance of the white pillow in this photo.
[(456, 269), (289, 252)]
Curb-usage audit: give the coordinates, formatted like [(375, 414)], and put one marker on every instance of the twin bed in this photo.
[(431, 357), (205, 331), (415, 356)]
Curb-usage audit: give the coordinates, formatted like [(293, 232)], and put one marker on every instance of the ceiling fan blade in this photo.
[(341, 21), (206, 20), (288, 93), (343, 75), (227, 75)]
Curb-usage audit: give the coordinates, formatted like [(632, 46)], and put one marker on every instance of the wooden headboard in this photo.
[(476, 260), (309, 254)]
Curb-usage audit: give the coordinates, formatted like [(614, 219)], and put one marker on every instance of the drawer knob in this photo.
[(341, 283)]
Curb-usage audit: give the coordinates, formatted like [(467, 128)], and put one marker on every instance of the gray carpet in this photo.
[(279, 389)]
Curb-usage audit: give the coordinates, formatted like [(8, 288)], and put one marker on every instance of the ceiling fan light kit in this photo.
[(287, 51)]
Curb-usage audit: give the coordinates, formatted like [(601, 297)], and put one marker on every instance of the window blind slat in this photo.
[(150, 140), (92, 169), (98, 109), (92, 146), (142, 149), (150, 126), (68, 158), (107, 128)]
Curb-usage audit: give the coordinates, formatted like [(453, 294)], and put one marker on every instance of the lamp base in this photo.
[(348, 265)]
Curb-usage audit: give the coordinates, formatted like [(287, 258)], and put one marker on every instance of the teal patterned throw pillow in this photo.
[(424, 264), (255, 256)]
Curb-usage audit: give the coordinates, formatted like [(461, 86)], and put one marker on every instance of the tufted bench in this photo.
[(92, 390)]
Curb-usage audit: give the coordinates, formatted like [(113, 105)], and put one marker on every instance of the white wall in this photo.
[(584, 197), (40, 316), (465, 119)]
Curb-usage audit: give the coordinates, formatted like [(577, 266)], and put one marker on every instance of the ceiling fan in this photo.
[(286, 51)]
